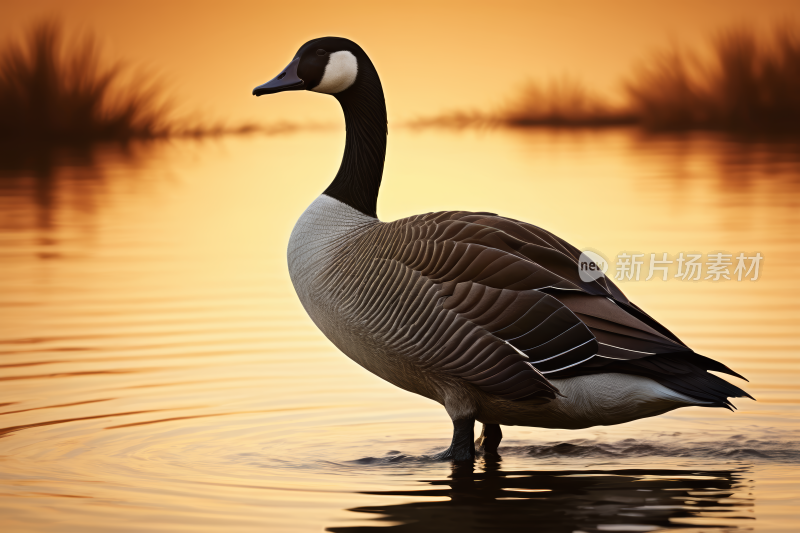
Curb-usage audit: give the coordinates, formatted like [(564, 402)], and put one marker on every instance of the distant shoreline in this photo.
[(55, 91), (744, 82)]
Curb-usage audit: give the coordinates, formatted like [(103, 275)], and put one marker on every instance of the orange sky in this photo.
[(431, 56)]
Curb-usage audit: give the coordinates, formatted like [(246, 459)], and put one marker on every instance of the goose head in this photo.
[(326, 65), (339, 67)]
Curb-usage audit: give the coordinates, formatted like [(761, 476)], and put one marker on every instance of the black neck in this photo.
[(359, 177)]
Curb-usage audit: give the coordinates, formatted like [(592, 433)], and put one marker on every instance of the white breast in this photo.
[(319, 232)]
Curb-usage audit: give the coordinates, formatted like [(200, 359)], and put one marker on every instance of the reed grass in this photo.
[(744, 82), (56, 90), (562, 103)]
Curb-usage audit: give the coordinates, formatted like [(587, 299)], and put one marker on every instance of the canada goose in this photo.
[(484, 314)]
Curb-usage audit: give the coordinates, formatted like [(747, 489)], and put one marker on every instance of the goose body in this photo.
[(484, 314)]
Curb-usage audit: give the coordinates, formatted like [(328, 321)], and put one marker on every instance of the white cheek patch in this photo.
[(340, 73)]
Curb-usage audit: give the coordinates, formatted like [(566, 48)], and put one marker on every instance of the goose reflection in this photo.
[(568, 501)]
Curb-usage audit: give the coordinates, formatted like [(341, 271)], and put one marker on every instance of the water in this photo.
[(158, 373)]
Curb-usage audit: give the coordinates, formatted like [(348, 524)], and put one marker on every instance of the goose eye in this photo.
[(321, 52)]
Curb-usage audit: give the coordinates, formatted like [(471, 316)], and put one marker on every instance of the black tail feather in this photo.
[(710, 364), (684, 372)]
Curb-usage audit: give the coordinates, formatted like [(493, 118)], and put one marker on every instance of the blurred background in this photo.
[(156, 369)]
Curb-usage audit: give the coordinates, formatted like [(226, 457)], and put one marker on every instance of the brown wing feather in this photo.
[(493, 326), (500, 304)]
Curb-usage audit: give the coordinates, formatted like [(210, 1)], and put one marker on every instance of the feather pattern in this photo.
[(498, 304)]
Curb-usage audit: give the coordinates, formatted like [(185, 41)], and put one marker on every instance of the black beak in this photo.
[(285, 81)]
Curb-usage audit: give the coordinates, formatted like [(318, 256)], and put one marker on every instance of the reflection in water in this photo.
[(29, 173), (568, 501), (159, 373), (36, 181), (732, 161)]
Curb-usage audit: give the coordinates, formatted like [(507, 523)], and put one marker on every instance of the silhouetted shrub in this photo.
[(746, 82), (52, 90), (564, 102)]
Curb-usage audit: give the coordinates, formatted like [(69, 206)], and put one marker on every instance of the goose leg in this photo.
[(490, 438), (462, 448)]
